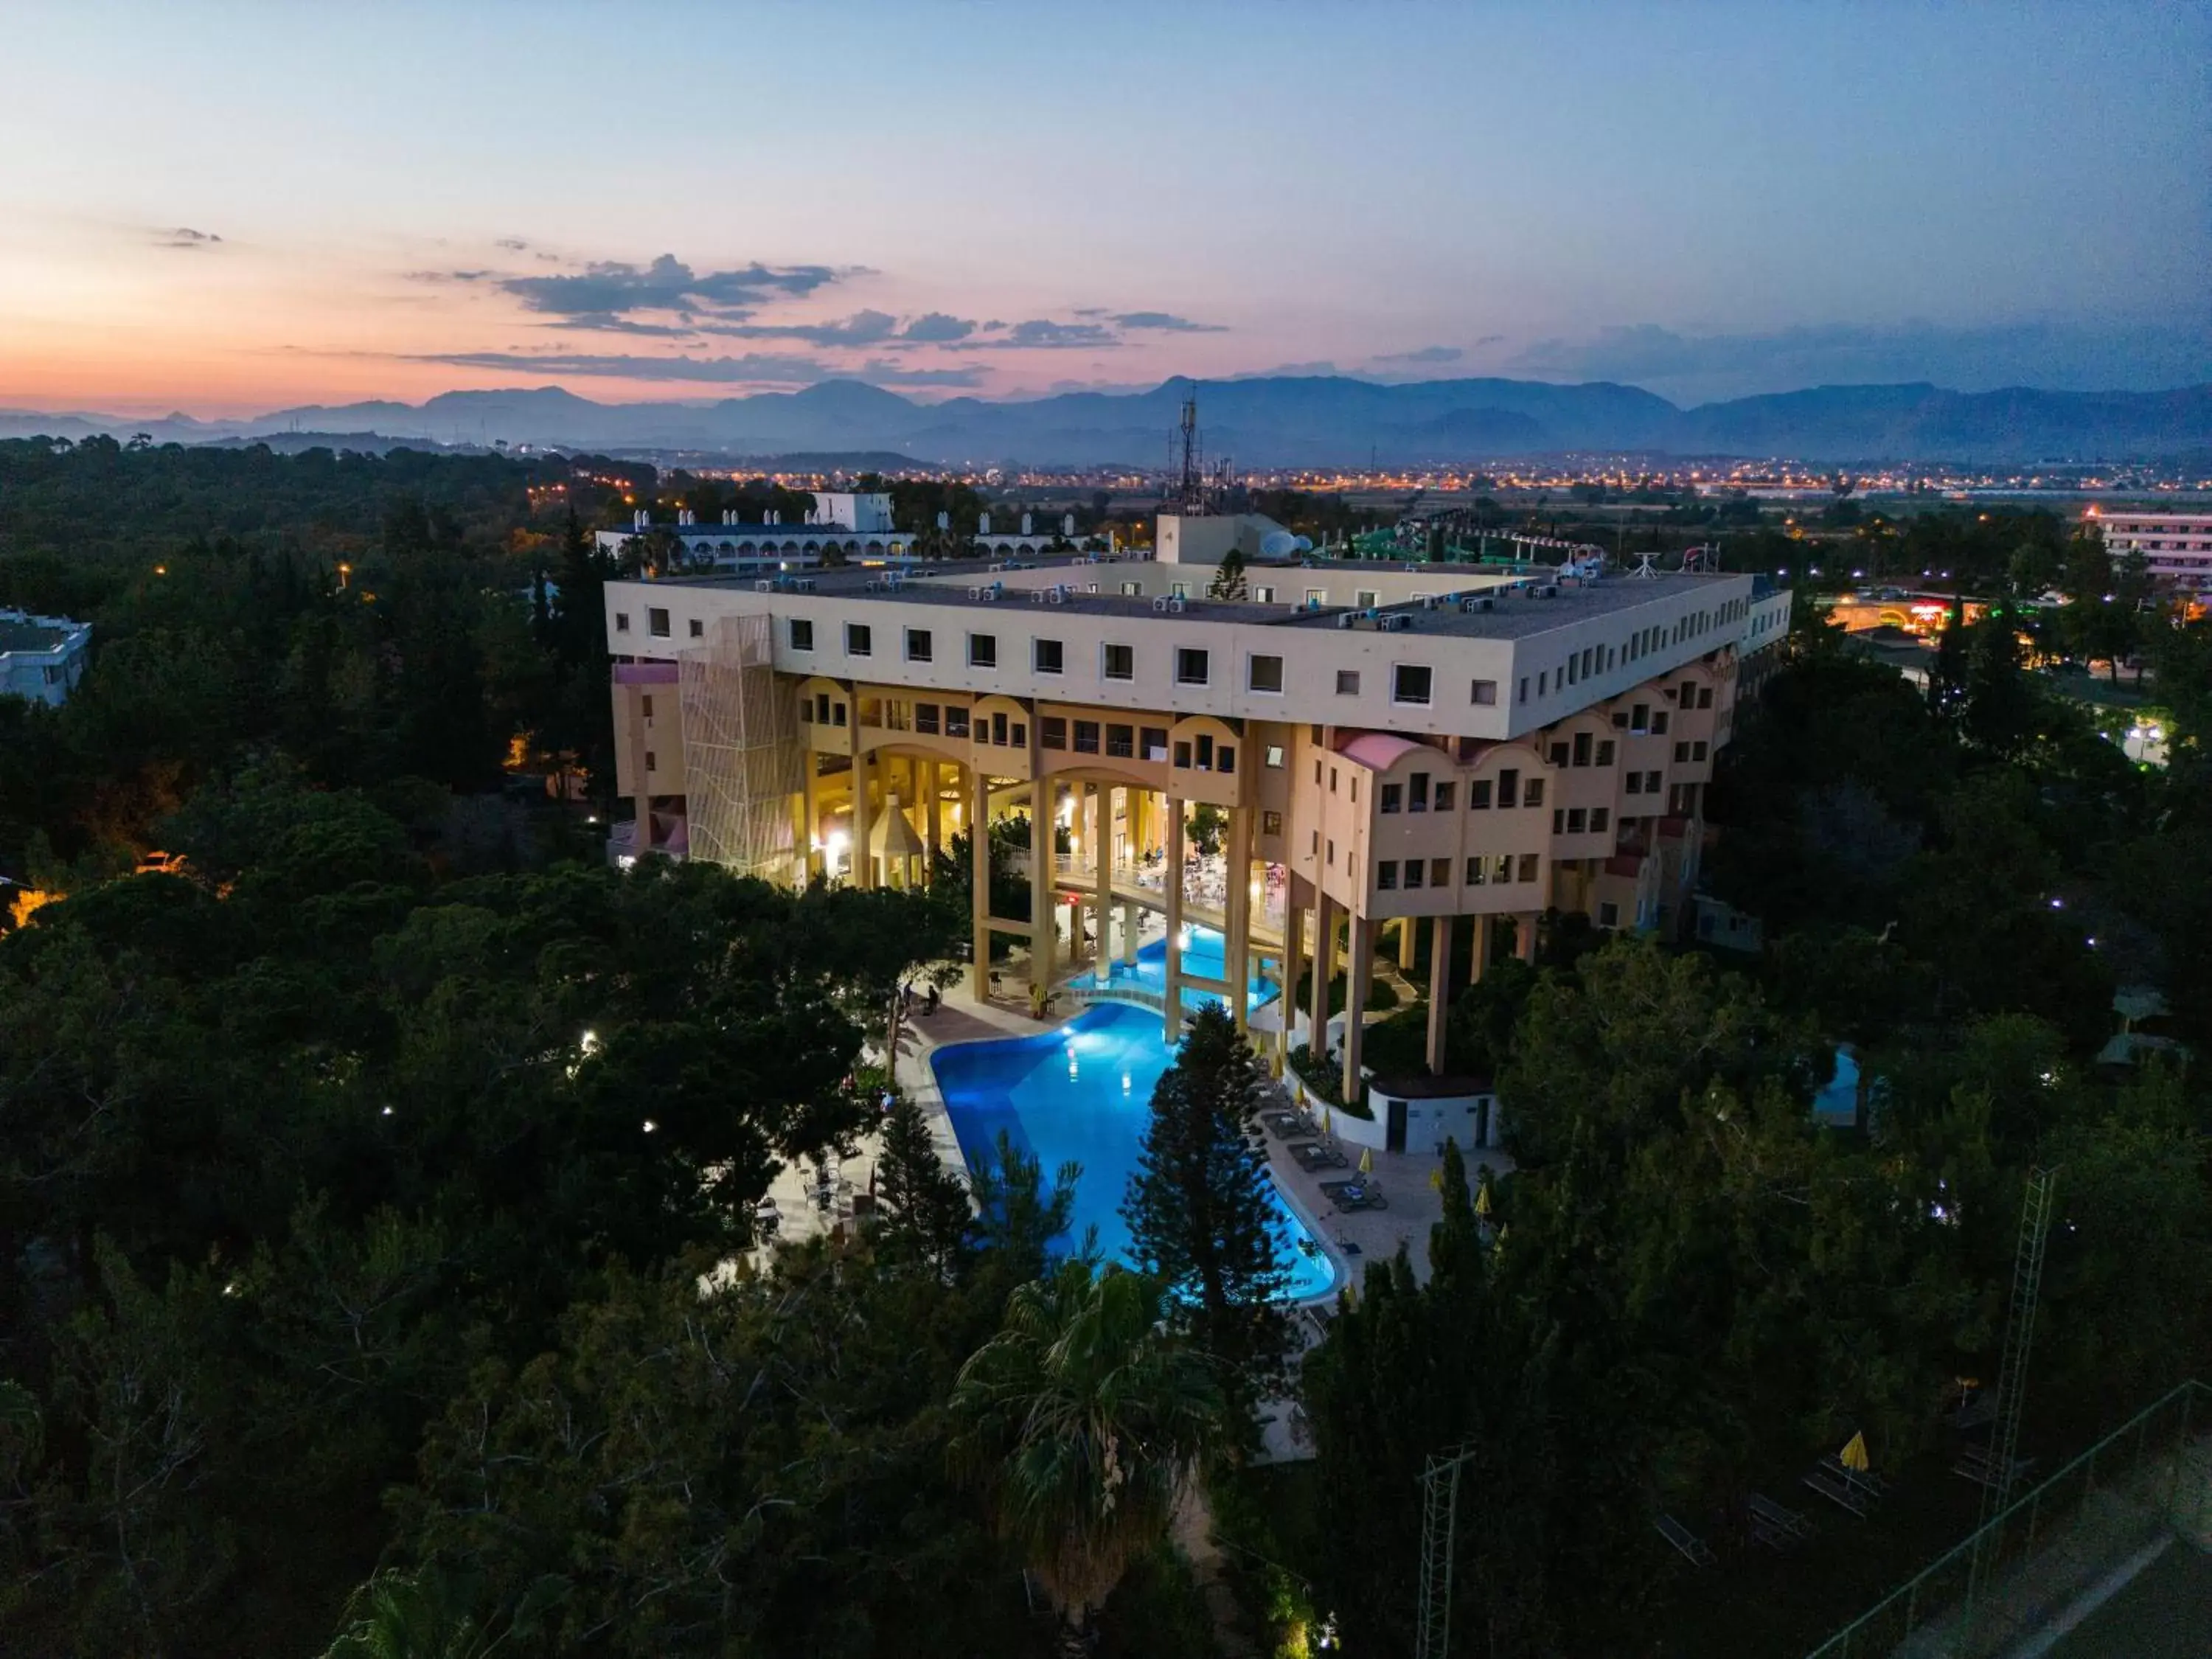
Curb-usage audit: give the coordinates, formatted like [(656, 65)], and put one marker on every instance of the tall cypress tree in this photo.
[(924, 1214), (1200, 1207)]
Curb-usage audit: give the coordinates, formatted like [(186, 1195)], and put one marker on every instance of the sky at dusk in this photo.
[(230, 209)]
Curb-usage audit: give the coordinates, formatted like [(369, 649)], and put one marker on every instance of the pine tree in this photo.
[(1229, 579), (1201, 1208), (923, 1212)]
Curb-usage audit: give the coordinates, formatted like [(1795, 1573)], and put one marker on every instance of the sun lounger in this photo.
[(1864, 1481), (1979, 1467), (1317, 1155), (1694, 1549), (1838, 1492), (1284, 1126), (1353, 1195), (1789, 1526)]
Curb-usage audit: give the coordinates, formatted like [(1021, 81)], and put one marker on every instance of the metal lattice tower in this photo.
[(1439, 1531), (2012, 1368)]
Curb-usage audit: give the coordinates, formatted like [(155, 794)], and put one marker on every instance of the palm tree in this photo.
[(429, 1613), (1082, 1420)]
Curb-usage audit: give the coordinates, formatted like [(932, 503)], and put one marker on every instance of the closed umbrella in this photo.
[(1854, 1454), (1325, 1129), (1367, 1162), (1482, 1200)]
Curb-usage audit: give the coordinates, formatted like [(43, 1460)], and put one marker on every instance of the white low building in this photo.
[(2177, 547), (41, 658)]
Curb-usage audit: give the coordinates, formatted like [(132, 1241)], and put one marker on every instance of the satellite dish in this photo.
[(1278, 544)]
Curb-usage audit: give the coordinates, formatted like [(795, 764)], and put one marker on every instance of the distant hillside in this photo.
[(1321, 420)]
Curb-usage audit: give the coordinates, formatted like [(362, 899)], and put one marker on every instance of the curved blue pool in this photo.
[(1083, 1093), (1206, 954)]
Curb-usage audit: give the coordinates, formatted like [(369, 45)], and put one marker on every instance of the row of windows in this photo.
[(1484, 870), (1418, 794), (1577, 820), (657, 624)]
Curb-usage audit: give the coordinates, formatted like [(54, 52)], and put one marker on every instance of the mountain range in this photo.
[(1263, 421)]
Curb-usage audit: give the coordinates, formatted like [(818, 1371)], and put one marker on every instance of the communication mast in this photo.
[(1439, 1535), (1189, 489), (2012, 1375)]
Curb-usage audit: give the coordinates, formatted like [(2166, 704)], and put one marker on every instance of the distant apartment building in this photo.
[(2176, 546), (1382, 745), (41, 658), (855, 527)]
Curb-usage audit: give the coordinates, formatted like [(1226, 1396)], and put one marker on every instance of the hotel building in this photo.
[(1383, 746), (2176, 547)]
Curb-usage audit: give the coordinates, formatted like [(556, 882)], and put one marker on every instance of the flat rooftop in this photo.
[(1516, 614), (30, 636)]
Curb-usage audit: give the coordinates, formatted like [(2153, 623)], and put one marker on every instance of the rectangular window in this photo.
[(651, 761), (1477, 872), (1558, 820), (1332, 779), (1577, 820), (1582, 747), (1052, 731), (1621, 720), (1020, 738), (1523, 693), (1347, 682), (1478, 795), (1527, 866), (1651, 783), (1705, 697), (1501, 870), (647, 705), (1688, 699), (1132, 590), (1639, 717), (1393, 797), (1316, 596), (1225, 759), (1533, 794), (1486, 692), (1332, 852), (1205, 753), (1154, 742), (1698, 751), (1363, 599), (1263, 596), (982, 650), (1543, 680), (918, 645), (1264, 674), (860, 639), (656, 622), (1413, 872), (621, 621), (1444, 793), (1416, 792), (1192, 666), (802, 634), (998, 729), (1659, 723), (1509, 788), (1274, 758), (1598, 817), (1046, 656), (1608, 916), (1118, 662), (1121, 742), (1182, 754), (1086, 736), (1178, 590), (925, 717), (1605, 753), (955, 720), (1681, 753), (1271, 824), (1439, 873), (1557, 754), (698, 629), (1409, 685), (1636, 783), (1386, 875)]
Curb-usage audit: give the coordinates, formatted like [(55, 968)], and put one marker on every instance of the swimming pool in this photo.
[(1205, 955), (1084, 1093)]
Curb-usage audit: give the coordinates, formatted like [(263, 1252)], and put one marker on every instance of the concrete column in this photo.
[(634, 711), (1294, 931), (1481, 947), (1324, 964), (1173, 967), (1524, 936), (932, 825), (1102, 854), (810, 861), (1042, 920), (1440, 944), (1358, 975), (1132, 915), (979, 847), (1407, 953), (864, 865), (1236, 949)]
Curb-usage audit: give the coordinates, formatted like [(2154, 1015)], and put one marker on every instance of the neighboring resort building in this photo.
[(857, 528), (41, 658), (1423, 745), (2177, 547)]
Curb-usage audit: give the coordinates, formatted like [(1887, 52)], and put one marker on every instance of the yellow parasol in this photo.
[(1367, 1162), (1854, 1454), (1482, 1200), (1324, 1121), (1437, 1179)]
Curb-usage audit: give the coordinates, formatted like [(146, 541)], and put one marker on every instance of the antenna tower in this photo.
[(1186, 490), (1439, 1530), (2012, 1372)]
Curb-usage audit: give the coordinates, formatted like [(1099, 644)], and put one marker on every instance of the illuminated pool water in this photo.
[(1205, 955), (1084, 1093)]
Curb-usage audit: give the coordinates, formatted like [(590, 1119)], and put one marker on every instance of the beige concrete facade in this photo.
[(1369, 744)]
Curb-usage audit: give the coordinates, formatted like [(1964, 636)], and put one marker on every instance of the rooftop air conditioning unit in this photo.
[(1480, 603), (766, 585), (1176, 605), (1547, 591), (1398, 624), (1344, 619), (1159, 605), (806, 585)]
